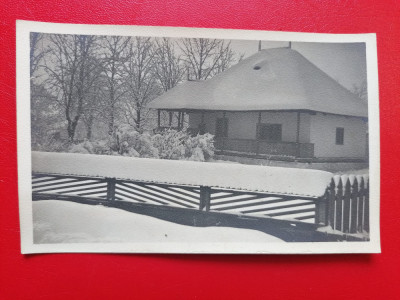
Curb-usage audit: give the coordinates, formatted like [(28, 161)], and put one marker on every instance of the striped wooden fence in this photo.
[(344, 207)]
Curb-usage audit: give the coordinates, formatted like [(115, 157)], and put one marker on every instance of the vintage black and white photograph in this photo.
[(184, 140)]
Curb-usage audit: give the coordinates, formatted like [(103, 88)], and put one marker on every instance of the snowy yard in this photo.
[(353, 172), (68, 222)]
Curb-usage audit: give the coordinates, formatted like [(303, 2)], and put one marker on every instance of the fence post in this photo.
[(321, 209), (353, 206), (361, 205), (110, 189), (346, 206), (339, 204), (331, 204), (366, 205), (205, 197)]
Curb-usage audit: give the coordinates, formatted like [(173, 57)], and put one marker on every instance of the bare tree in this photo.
[(140, 81), (92, 108), (361, 90), (37, 52), (72, 74), (168, 67), (44, 113), (206, 57), (113, 57)]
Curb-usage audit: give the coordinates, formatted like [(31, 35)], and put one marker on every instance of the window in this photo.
[(221, 129), (339, 136), (270, 132)]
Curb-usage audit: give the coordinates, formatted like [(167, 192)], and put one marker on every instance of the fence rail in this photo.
[(344, 207)]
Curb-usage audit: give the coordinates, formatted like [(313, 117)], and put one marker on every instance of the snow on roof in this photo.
[(273, 180), (272, 79)]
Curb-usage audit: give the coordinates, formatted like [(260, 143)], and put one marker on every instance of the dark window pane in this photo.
[(339, 136), (270, 132)]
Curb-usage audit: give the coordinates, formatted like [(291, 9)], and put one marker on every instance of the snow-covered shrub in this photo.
[(144, 146), (79, 148), (127, 141), (102, 147), (91, 147), (200, 147), (50, 143), (197, 154), (170, 144)]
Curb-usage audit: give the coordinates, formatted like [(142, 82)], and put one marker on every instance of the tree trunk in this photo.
[(138, 120), (111, 121), (89, 127), (71, 129)]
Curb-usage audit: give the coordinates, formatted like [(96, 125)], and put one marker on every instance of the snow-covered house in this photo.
[(275, 103)]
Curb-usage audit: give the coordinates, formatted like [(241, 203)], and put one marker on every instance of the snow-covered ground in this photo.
[(68, 222), (353, 172)]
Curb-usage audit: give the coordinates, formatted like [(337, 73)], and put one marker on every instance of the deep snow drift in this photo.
[(275, 180), (68, 222)]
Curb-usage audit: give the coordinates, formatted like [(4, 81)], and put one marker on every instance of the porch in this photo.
[(275, 134), (261, 147)]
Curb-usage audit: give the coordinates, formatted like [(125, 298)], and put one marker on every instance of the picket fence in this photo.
[(345, 206)]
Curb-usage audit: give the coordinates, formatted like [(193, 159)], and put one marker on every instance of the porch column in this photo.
[(298, 135), (258, 133), (159, 119), (202, 125), (179, 120), (170, 118), (223, 138), (182, 119)]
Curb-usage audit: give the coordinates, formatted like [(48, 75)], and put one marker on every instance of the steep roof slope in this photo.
[(273, 79)]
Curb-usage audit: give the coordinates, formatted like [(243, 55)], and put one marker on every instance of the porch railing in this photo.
[(252, 146)]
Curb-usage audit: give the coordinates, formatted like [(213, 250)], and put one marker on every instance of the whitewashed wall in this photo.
[(323, 135)]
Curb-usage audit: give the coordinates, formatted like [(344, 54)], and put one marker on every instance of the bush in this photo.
[(200, 147), (127, 141), (51, 144), (169, 144), (172, 144)]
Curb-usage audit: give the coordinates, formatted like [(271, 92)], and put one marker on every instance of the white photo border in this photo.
[(24, 141)]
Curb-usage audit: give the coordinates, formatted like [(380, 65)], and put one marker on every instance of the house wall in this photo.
[(323, 135), (243, 125)]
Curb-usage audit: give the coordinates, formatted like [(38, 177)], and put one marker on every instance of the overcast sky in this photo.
[(344, 62)]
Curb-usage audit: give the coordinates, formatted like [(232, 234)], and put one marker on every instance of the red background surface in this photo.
[(110, 276)]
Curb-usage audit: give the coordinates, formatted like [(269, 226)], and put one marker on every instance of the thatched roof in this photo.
[(273, 79)]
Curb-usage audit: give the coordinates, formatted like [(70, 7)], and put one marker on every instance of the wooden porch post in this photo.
[(170, 118), (179, 120), (258, 133), (158, 119), (182, 119), (202, 125), (298, 135)]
